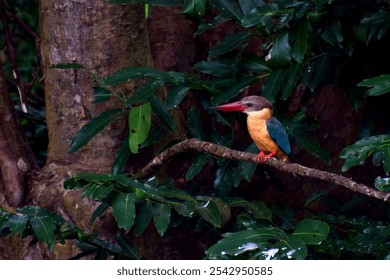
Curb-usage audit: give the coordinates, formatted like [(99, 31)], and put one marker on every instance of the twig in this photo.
[(220, 151)]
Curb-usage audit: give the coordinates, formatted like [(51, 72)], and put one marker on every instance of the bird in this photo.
[(266, 131)]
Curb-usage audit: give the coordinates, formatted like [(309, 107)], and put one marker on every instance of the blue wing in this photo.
[(278, 133)]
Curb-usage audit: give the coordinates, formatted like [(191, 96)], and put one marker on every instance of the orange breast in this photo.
[(258, 131)]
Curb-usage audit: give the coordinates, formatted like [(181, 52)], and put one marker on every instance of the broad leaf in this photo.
[(195, 123), (228, 7), (248, 168), (143, 218), (140, 120), (17, 223), (95, 125), (161, 217), (248, 5), (197, 165), (142, 93), (121, 156), (123, 206), (127, 247), (293, 75), (299, 49), (43, 228), (378, 85), (274, 83), (194, 8), (261, 15), (162, 112), (291, 247), (279, 55), (210, 213), (176, 96), (229, 43), (312, 231), (215, 68), (186, 209)]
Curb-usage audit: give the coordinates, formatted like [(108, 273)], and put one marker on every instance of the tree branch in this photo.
[(220, 151)]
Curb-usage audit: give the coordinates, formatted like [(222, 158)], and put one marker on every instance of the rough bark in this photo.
[(16, 157), (103, 38)]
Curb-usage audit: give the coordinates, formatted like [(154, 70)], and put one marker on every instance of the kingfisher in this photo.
[(267, 132)]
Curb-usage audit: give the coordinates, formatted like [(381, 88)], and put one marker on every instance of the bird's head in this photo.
[(253, 103)]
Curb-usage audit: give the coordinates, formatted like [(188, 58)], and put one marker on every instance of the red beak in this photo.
[(231, 107)]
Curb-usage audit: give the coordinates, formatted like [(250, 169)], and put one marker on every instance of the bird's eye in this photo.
[(249, 104)]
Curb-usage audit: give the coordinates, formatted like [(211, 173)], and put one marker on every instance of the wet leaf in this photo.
[(94, 126), (311, 231), (279, 55), (186, 208), (291, 248), (210, 213)]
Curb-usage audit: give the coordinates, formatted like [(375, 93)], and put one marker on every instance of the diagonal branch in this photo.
[(220, 151)]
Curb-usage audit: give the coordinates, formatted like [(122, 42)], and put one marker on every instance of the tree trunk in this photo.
[(103, 38)]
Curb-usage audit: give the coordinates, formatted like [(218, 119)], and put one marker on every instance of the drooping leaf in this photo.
[(218, 20), (378, 85), (194, 8), (123, 206), (95, 125), (127, 247), (101, 94), (17, 223), (140, 120), (293, 75), (142, 93), (279, 56), (254, 63), (43, 228), (143, 218), (311, 231), (99, 211), (249, 168), (197, 165), (121, 156), (161, 217), (274, 83), (195, 123), (299, 48), (210, 213), (229, 43), (176, 96), (229, 7), (236, 243), (162, 112), (358, 152), (233, 90)]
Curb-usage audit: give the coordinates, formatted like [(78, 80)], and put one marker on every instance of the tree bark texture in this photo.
[(103, 38)]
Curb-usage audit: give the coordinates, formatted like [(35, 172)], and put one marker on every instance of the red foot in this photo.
[(262, 157)]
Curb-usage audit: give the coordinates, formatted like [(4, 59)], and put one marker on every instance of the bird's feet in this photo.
[(262, 157)]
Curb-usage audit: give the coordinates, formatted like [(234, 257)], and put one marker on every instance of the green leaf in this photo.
[(333, 34), (172, 192), (259, 210), (378, 85), (121, 157), (67, 66), (314, 73), (274, 83), (101, 94), (43, 228), (176, 96), (99, 211), (215, 68), (237, 243), (123, 206), (229, 43), (218, 20), (279, 55), (95, 125), (233, 90), (210, 213), (228, 7), (315, 196), (312, 232), (254, 63), (261, 15), (293, 75), (162, 112), (299, 48), (248, 5), (17, 223), (142, 93), (197, 165), (140, 120), (161, 217), (194, 8), (126, 246), (291, 247), (143, 218), (248, 168), (195, 123), (382, 184), (358, 152), (186, 208)]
